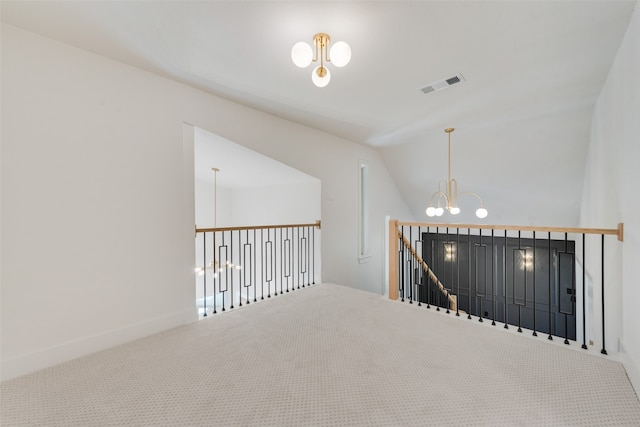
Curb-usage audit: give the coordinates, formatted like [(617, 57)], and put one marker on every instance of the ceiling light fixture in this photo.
[(450, 195), (302, 55)]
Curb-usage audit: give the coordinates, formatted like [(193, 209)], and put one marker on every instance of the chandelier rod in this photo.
[(215, 194), (450, 200)]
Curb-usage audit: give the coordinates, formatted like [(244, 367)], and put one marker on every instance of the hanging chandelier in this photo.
[(214, 265), (449, 197), (339, 55)]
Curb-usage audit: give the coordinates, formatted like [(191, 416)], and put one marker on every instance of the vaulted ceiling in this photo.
[(532, 73)]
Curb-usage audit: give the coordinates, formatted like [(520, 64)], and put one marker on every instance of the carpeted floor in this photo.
[(323, 356)]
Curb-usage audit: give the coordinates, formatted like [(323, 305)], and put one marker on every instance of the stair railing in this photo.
[(544, 279), (417, 260), (239, 265)]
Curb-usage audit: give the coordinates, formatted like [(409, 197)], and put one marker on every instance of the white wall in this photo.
[(293, 203), (611, 193), (97, 228)]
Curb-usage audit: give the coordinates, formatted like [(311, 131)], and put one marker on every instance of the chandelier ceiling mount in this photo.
[(303, 55)]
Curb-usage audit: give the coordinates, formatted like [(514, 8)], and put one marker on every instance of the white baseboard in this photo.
[(632, 368), (191, 315), (28, 363)]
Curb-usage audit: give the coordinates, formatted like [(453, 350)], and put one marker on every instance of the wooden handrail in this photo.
[(452, 298), (256, 227), (394, 229), (619, 231)]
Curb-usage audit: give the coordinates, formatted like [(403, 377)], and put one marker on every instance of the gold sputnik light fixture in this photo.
[(339, 55), (449, 197)]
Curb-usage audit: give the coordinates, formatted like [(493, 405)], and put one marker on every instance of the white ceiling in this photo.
[(533, 71)]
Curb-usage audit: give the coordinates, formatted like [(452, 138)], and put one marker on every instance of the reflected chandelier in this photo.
[(339, 55), (449, 197)]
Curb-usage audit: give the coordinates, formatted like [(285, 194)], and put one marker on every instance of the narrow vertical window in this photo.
[(363, 220)]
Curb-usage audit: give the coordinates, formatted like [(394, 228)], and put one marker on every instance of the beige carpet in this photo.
[(328, 355)]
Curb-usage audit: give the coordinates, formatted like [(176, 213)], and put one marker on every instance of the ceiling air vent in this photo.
[(443, 84)]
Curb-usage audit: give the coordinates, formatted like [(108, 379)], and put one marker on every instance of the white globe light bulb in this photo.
[(454, 210), (301, 54), (431, 211), (439, 211), (482, 213), (320, 76), (340, 54)]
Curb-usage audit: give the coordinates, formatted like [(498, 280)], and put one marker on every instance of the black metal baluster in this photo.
[(535, 334), (267, 265), (402, 258), (505, 284), (300, 254), (288, 259), (255, 267), (494, 278), (428, 281), (204, 271), (313, 254), (445, 266), (274, 266), (215, 274), (308, 256), (407, 259), (303, 258), (407, 269), (308, 253), (282, 255), (262, 266), (275, 249), (292, 260), (566, 327), (274, 263), (298, 242), (550, 337), (584, 296), (411, 267), (420, 275), (603, 351), (290, 249), (480, 313), (401, 266), (239, 267), (437, 269), (231, 266), (457, 271), (294, 240), (226, 271), (566, 285), (417, 267), (469, 270), (525, 283), (247, 266), (268, 255)]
